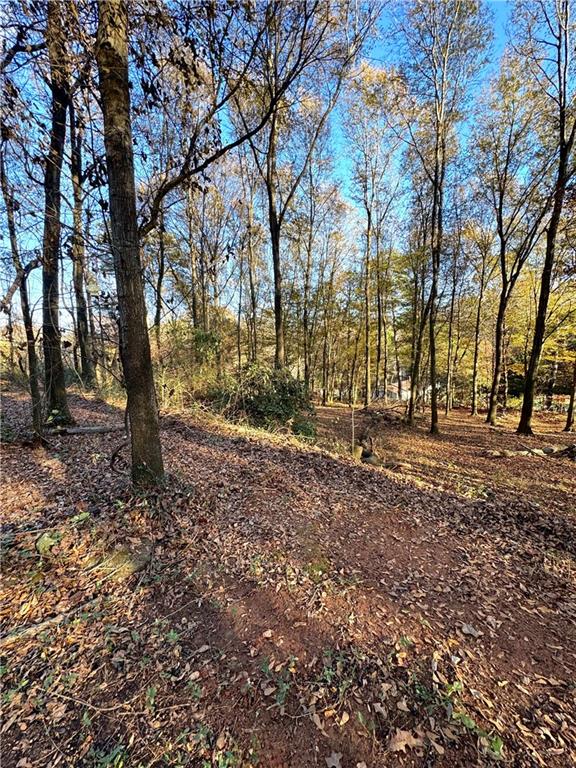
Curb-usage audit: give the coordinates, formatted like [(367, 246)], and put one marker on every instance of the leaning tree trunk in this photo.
[(112, 59), (57, 403)]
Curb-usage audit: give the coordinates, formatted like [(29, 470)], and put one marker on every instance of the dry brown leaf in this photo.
[(403, 739)]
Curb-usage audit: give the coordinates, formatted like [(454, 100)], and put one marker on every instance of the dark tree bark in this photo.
[(57, 403), (159, 282), (525, 425), (498, 356), (78, 253), (275, 230), (559, 53), (112, 59), (477, 327)]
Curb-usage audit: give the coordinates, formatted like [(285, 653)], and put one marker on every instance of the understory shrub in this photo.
[(266, 397)]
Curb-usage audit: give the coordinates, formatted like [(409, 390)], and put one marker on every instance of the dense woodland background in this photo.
[(260, 205)]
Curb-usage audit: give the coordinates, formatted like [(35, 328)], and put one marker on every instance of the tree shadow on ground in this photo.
[(265, 552)]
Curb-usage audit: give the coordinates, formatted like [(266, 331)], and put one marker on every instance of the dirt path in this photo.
[(298, 609)]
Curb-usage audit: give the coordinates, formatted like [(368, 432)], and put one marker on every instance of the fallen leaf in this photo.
[(334, 760), (468, 629), (402, 706), (403, 739)]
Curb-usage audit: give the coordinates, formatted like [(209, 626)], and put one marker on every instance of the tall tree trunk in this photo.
[(78, 252), (203, 269), (112, 59), (498, 353), (436, 243), (396, 355), (252, 282), (525, 425), (306, 312), (367, 324), (378, 317), (22, 277), (505, 379), (449, 361), (192, 258), (570, 415), (55, 386), (477, 326), (275, 227), (159, 283)]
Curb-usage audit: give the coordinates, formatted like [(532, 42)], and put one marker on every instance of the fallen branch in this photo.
[(94, 430), (555, 451), (34, 629), (116, 456)]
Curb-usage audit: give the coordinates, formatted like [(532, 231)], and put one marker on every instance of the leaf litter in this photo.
[(278, 605)]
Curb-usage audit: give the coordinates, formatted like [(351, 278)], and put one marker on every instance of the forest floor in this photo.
[(278, 604)]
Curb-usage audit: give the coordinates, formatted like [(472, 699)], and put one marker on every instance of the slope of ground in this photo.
[(276, 605)]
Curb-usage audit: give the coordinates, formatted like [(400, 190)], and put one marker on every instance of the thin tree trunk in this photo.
[(22, 278), (55, 386), (525, 425), (396, 355), (436, 242), (78, 253), (192, 258), (159, 283), (112, 59), (252, 282), (378, 317), (367, 372), (498, 352), (275, 226), (570, 415), (474, 411), (239, 314), (449, 361)]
